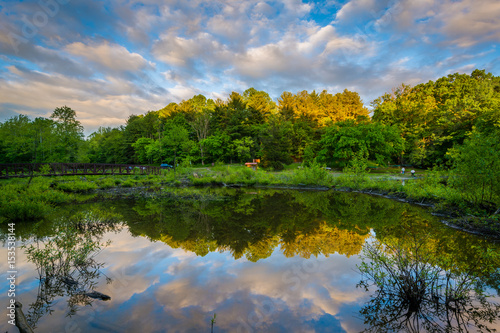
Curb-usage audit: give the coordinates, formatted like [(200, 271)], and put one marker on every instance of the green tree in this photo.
[(243, 147), (141, 150), (70, 133), (175, 138), (216, 147), (476, 169), (108, 145), (199, 111), (434, 117), (17, 143), (344, 140), (276, 143), (259, 104)]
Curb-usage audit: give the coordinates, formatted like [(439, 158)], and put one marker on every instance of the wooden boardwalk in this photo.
[(71, 169)]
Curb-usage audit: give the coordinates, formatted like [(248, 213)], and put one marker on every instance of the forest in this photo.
[(434, 124)]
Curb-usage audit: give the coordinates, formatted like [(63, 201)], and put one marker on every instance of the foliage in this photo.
[(242, 148), (417, 125), (109, 145), (41, 140), (276, 144), (176, 139), (77, 186), (66, 262), (435, 116), (143, 151), (343, 140), (476, 169), (70, 132), (68, 250), (20, 203), (356, 170), (313, 174)]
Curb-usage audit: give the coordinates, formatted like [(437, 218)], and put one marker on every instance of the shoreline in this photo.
[(30, 203), (450, 216)]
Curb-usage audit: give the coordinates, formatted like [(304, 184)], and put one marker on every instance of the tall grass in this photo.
[(19, 202), (23, 201)]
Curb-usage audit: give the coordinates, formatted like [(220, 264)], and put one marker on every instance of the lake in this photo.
[(260, 260)]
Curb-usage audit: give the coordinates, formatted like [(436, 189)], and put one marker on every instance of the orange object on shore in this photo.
[(253, 164)]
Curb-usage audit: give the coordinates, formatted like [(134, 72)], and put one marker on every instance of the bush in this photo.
[(106, 183), (476, 169), (129, 183), (19, 202), (314, 174), (24, 209), (273, 165), (78, 186)]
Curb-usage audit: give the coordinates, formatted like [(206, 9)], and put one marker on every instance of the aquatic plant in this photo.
[(420, 289), (66, 262)]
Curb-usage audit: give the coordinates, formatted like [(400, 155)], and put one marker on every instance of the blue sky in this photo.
[(110, 59)]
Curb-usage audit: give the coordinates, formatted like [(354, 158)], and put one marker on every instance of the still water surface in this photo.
[(261, 260)]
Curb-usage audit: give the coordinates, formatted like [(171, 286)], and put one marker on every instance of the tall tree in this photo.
[(275, 141), (435, 116), (476, 168), (17, 142), (345, 140), (175, 138), (199, 112), (69, 131)]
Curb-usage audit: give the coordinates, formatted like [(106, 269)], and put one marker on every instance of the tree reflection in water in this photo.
[(66, 262), (419, 289)]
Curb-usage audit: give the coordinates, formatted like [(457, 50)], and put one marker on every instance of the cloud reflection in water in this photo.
[(159, 288)]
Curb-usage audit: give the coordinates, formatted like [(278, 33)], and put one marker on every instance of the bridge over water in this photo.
[(71, 169)]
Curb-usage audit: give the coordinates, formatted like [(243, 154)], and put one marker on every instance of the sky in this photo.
[(110, 59)]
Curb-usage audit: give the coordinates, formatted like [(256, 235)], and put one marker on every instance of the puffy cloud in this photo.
[(180, 51), (469, 22), (103, 102), (126, 57), (458, 23), (359, 11), (111, 56)]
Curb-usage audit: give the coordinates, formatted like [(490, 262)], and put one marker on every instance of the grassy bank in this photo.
[(24, 200)]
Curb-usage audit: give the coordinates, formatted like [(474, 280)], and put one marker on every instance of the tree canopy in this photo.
[(424, 125)]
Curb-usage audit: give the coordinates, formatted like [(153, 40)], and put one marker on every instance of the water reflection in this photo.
[(66, 263), (420, 289), (252, 225), (267, 261)]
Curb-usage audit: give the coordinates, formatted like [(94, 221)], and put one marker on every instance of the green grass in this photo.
[(20, 201)]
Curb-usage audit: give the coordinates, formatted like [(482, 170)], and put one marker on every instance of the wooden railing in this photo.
[(69, 169)]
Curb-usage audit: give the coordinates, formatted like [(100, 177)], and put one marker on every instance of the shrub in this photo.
[(106, 183), (129, 183), (476, 169), (78, 186), (314, 174)]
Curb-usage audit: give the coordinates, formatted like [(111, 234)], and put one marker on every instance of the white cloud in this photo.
[(182, 92), (233, 29), (180, 51), (112, 56), (215, 47), (297, 7), (356, 8), (459, 23), (106, 102), (469, 22)]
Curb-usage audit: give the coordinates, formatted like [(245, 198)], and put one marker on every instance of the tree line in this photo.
[(431, 124)]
